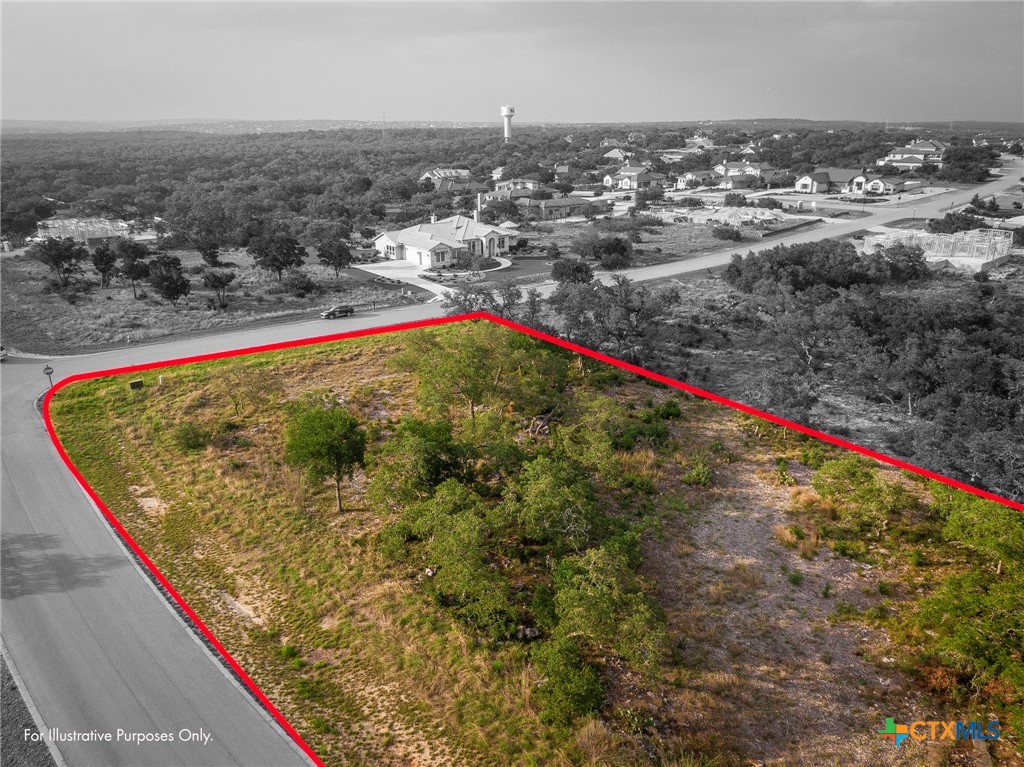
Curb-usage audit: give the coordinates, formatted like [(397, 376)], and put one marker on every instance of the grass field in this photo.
[(765, 620)]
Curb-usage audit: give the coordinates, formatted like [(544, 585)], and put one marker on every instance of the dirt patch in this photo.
[(757, 640), (149, 504)]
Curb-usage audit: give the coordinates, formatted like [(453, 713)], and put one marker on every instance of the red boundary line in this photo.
[(253, 687)]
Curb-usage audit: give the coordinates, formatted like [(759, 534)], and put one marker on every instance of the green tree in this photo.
[(328, 443), (600, 603), (335, 254), (104, 261), (62, 257), (569, 686), (552, 503), (413, 461), (218, 282), (277, 253)]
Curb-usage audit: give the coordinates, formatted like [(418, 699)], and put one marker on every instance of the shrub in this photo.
[(188, 436), (570, 688), (727, 232), (699, 473), (299, 284)]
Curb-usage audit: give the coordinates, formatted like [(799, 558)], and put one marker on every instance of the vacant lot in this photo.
[(40, 318), (758, 640)]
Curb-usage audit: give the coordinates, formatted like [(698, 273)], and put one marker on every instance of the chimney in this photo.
[(433, 218), (476, 215), (479, 200)]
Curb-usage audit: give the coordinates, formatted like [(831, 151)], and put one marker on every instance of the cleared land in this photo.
[(40, 318), (762, 595)]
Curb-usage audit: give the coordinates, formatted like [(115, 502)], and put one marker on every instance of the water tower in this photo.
[(506, 113)]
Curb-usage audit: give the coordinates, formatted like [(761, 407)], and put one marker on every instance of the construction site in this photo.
[(976, 250)]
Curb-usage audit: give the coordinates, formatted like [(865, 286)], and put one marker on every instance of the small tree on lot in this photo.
[(734, 200), (104, 261), (336, 255), (328, 443), (209, 252), (616, 253), (168, 279), (277, 253), (133, 263), (573, 271), (62, 257), (218, 282)]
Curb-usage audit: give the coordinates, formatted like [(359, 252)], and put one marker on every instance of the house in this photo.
[(560, 207), (885, 185), (561, 171), (618, 154), (612, 142), (441, 243), (774, 176), (459, 186), (732, 168), (518, 183), (913, 156), (437, 174), (813, 183), (696, 178), (842, 180), (496, 173), (740, 181), (635, 177), (636, 138)]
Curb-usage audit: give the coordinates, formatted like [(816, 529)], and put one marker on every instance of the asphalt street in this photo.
[(97, 646)]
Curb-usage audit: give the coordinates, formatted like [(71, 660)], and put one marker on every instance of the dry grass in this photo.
[(36, 319)]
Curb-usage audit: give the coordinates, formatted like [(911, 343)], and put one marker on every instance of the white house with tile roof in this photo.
[(439, 243), (915, 155), (438, 174)]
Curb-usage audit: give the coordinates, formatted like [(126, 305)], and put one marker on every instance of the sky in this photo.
[(555, 62)]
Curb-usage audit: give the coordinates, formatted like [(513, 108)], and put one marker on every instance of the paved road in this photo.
[(97, 647)]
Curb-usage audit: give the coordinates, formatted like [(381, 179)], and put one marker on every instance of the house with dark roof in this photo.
[(459, 186), (441, 243), (737, 181), (813, 183), (885, 185), (695, 178), (559, 207)]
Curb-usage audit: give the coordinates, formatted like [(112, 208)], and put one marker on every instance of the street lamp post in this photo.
[(48, 372)]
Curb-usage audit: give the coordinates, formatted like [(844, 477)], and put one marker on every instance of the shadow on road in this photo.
[(35, 564)]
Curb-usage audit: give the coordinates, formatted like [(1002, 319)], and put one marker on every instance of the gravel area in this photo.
[(15, 750)]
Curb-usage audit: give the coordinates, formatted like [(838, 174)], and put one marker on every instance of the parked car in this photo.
[(3, 352), (337, 311)]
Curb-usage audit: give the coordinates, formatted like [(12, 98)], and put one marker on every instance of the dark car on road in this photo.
[(337, 311)]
